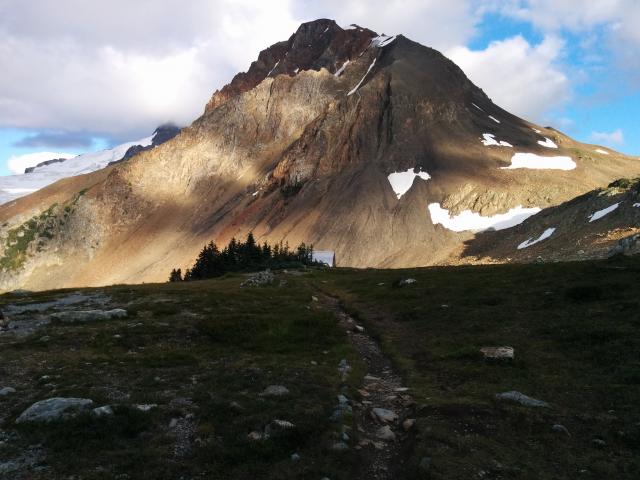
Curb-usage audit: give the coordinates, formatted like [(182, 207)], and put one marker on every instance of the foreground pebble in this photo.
[(521, 398)]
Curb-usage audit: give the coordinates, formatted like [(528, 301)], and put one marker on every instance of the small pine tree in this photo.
[(176, 275)]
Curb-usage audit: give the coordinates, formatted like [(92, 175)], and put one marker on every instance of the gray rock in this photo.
[(295, 457), (408, 424), (258, 279), (275, 391), (104, 411), (522, 399), (384, 415), (79, 316), (145, 407), (598, 442), (498, 353), (561, 429), (385, 433), (7, 391), (52, 409), (407, 281)]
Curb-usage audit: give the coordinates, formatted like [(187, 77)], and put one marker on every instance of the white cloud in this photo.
[(17, 163), (612, 24), (608, 138), (522, 78), (121, 67), (434, 23)]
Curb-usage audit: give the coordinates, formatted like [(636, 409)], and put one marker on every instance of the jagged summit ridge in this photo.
[(315, 45)]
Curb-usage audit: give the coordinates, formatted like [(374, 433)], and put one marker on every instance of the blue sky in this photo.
[(86, 76)]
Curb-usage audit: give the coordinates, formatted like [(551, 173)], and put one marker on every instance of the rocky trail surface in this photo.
[(383, 416)]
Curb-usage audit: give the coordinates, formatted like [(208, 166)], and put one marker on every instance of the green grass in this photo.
[(20, 238), (576, 333), (192, 349), (209, 348)]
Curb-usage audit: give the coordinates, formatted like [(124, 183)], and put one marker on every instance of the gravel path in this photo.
[(382, 416)]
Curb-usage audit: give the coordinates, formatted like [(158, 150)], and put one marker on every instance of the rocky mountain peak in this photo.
[(315, 45)]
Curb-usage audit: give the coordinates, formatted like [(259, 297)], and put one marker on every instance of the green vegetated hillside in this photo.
[(187, 372)]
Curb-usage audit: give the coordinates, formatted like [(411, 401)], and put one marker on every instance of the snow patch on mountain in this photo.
[(537, 162), (341, 69), (494, 119), (490, 140), (401, 182), (603, 152), (601, 213), (274, 67), (355, 89), (546, 234), (548, 143), (382, 40), (474, 222)]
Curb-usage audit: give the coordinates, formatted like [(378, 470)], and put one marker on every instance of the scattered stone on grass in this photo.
[(521, 398), (561, 429), (7, 391), (104, 411), (498, 353), (80, 316), (275, 391), (258, 279), (53, 409)]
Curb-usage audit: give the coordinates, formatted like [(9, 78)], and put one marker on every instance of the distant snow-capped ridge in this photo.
[(50, 171)]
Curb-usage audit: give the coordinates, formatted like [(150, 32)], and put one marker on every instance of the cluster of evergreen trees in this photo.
[(240, 256)]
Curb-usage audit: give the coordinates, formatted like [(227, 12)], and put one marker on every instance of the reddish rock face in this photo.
[(318, 44)]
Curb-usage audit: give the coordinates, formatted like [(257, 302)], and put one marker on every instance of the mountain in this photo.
[(374, 147), (50, 171), (599, 224)]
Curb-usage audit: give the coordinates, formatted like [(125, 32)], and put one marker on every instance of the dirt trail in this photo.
[(378, 440)]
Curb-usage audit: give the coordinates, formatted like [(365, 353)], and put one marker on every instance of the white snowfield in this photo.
[(537, 162), (274, 67), (490, 140), (601, 213), (474, 222), (382, 40), (355, 89), (494, 119), (546, 234), (603, 152), (401, 182), (16, 186), (477, 107), (547, 143)]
